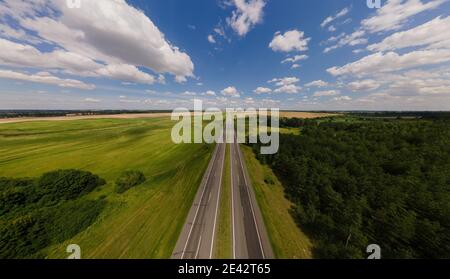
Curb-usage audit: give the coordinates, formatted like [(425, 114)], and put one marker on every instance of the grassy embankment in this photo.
[(145, 221), (288, 241)]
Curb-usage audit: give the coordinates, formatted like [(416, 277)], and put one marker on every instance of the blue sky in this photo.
[(161, 54)]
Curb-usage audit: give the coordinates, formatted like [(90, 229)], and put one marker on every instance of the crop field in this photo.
[(143, 222)]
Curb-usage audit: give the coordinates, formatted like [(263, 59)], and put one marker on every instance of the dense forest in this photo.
[(359, 181), (35, 213)]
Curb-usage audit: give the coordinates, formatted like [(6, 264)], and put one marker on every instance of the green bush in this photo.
[(128, 180), (7, 183), (25, 235), (17, 194), (269, 180), (44, 211), (11, 199), (68, 184), (22, 237), (49, 189), (68, 219)]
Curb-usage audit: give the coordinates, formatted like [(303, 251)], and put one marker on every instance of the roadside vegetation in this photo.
[(356, 181), (35, 213), (287, 240), (143, 222)]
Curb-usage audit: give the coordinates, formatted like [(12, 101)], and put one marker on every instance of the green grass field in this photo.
[(288, 241), (290, 131), (224, 242), (145, 221)]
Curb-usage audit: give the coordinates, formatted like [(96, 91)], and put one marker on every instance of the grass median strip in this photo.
[(223, 249)]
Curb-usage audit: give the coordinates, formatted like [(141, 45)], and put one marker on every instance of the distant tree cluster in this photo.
[(51, 113), (35, 213), (128, 180), (436, 115), (294, 122), (361, 182)]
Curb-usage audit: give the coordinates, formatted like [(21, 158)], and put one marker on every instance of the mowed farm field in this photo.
[(145, 221)]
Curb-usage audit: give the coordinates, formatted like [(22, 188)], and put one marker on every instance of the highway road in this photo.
[(198, 235), (249, 235), (250, 238)]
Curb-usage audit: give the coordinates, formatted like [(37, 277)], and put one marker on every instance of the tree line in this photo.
[(35, 213), (355, 182)]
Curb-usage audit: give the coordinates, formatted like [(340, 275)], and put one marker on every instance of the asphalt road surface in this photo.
[(250, 239), (198, 235)]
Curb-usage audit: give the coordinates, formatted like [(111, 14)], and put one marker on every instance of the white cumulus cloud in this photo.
[(211, 39), (326, 93), (395, 14), (391, 61), (46, 78), (330, 19), (342, 98), (363, 85), (231, 91), (433, 34), (353, 39), (127, 72), (294, 59), (247, 14), (108, 32), (262, 90), (317, 83), (293, 40), (91, 100), (286, 85), (210, 93)]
